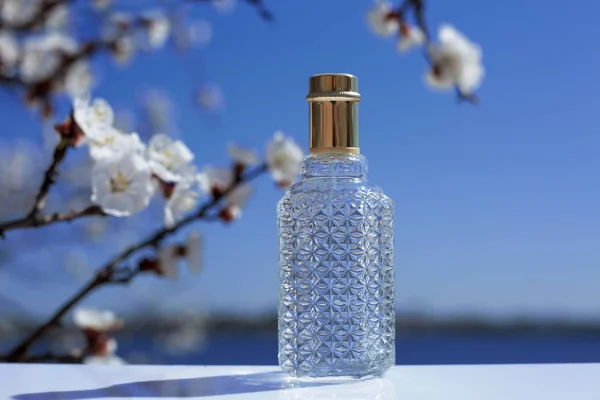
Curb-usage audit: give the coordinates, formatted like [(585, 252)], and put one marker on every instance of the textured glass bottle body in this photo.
[(336, 272)]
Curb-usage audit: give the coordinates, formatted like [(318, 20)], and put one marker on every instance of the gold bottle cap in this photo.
[(333, 113)]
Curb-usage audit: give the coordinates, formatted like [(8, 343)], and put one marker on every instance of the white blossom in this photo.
[(168, 257), (109, 347), (105, 141), (210, 97), (168, 158), (239, 196), (224, 6), (158, 29), (456, 62), (19, 11), (284, 159), (410, 36), (183, 339), (122, 184), (213, 177), (198, 33), (159, 108), (42, 55), (194, 251), (115, 24), (125, 120), (242, 155), (103, 352), (124, 49), (78, 80), (58, 18), (88, 117), (9, 50), (381, 20), (96, 320), (182, 200), (188, 173), (101, 4), (110, 359), (221, 179), (188, 333), (236, 200)]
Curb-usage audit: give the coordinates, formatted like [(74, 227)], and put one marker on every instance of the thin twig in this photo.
[(48, 219), (34, 218), (60, 152), (124, 276), (104, 276), (262, 10), (109, 274), (154, 239), (466, 97), (419, 7), (21, 349)]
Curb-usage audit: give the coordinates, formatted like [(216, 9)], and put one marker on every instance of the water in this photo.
[(244, 349), (336, 275)]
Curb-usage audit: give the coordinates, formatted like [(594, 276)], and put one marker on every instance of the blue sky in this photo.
[(497, 206)]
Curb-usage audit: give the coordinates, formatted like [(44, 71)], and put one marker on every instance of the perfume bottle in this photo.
[(336, 250)]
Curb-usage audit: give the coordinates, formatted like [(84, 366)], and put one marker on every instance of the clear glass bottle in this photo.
[(336, 255)]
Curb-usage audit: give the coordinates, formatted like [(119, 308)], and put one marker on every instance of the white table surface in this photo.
[(477, 382)]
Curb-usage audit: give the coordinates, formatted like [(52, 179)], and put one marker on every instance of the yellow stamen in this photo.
[(119, 183)]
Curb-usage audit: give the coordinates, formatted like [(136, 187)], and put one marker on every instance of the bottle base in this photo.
[(333, 373)]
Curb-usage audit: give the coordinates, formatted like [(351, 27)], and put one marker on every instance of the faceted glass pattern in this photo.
[(336, 272)]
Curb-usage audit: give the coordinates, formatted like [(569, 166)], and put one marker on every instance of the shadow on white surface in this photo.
[(199, 387), (372, 389)]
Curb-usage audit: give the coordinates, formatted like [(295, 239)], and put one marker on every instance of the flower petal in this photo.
[(379, 20), (457, 62), (95, 319), (167, 257), (104, 360), (241, 155)]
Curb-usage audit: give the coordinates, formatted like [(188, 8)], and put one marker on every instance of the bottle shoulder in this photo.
[(326, 191)]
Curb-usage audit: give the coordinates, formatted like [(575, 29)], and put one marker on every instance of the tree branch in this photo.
[(262, 10), (419, 8), (60, 152), (18, 353), (110, 274), (32, 217), (49, 219), (154, 239)]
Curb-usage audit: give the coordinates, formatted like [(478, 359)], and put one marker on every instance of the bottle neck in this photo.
[(334, 165), (333, 126)]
